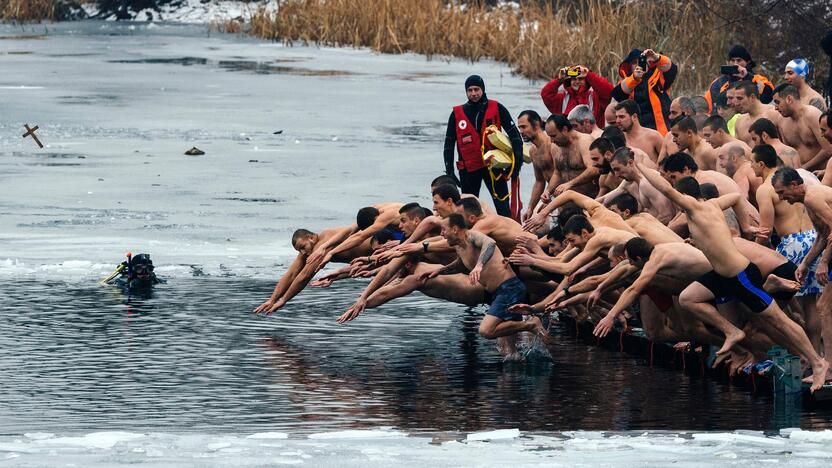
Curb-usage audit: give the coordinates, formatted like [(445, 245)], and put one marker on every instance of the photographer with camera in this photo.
[(574, 86), (646, 77), (740, 66)]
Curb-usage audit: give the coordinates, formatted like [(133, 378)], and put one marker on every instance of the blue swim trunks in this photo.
[(795, 247), (511, 292)]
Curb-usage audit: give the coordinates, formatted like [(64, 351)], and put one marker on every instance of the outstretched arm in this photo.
[(357, 238), (283, 283), (627, 297), (425, 226), (579, 199), (335, 239)]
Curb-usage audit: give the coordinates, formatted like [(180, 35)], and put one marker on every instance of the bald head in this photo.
[(731, 156)]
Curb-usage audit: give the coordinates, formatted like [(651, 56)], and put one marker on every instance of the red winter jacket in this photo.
[(561, 99)]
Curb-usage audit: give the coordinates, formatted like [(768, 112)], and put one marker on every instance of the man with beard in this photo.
[(764, 132), (646, 139), (601, 151), (542, 153), (573, 167), (465, 129), (734, 163), (680, 108)]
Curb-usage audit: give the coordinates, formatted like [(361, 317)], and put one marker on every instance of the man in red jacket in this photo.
[(574, 86)]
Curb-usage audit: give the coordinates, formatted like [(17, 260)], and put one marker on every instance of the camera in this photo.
[(642, 62), (573, 72), (729, 69)]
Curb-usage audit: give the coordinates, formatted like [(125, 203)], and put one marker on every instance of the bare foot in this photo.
[(740, 359), (730, 340), (775, 284), (820, 374), (536, 325), (682, 346), (720, 358)]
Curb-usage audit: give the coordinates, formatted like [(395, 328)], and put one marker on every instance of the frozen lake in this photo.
[(119, 104), (188, 376)]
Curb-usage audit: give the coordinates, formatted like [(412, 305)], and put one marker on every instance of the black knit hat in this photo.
[(738, 51), (474, 80)]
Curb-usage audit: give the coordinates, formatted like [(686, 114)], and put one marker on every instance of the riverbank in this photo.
[(533, 38)]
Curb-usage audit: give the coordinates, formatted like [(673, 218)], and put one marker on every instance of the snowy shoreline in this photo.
[(191, 11)]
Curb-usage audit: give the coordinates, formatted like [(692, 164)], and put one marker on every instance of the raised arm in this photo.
[(740, 205), (656, 180)]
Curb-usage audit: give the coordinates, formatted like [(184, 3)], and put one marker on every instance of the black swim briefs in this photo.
[(747, 287)]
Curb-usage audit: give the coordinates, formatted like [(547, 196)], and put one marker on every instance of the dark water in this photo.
[(192, 357)]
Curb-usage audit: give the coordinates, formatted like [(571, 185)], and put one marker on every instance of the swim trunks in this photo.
[(511, 292), (795, 247), (747, 287), (663, 300), (785, 271)]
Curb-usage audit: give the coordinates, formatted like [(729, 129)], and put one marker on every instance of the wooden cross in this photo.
[(31, 131)]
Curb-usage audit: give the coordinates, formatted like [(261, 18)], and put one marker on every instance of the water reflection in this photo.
[(189, 355)]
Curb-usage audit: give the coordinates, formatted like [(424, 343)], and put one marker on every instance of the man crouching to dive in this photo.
[(478, 253)]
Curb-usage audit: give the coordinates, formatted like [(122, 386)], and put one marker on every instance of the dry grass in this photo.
[(536, 40), (29, 10), (230, 26)]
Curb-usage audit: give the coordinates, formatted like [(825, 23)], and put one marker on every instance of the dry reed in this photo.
[(29, 10), (534, 39)]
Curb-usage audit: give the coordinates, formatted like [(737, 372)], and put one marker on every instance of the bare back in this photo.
[(709, 230), (650, 228), (503, 230)]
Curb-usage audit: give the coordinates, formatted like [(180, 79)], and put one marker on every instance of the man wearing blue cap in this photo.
[(797, 74), (465, 132)]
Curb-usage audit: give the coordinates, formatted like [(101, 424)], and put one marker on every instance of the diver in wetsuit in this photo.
[(134, 273)]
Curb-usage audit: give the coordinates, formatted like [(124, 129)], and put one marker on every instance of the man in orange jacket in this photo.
[(646, 79)]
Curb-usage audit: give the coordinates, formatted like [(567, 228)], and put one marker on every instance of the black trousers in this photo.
[(471, 182)]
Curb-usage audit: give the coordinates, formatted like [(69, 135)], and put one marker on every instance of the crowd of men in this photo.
[(705, 219)]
